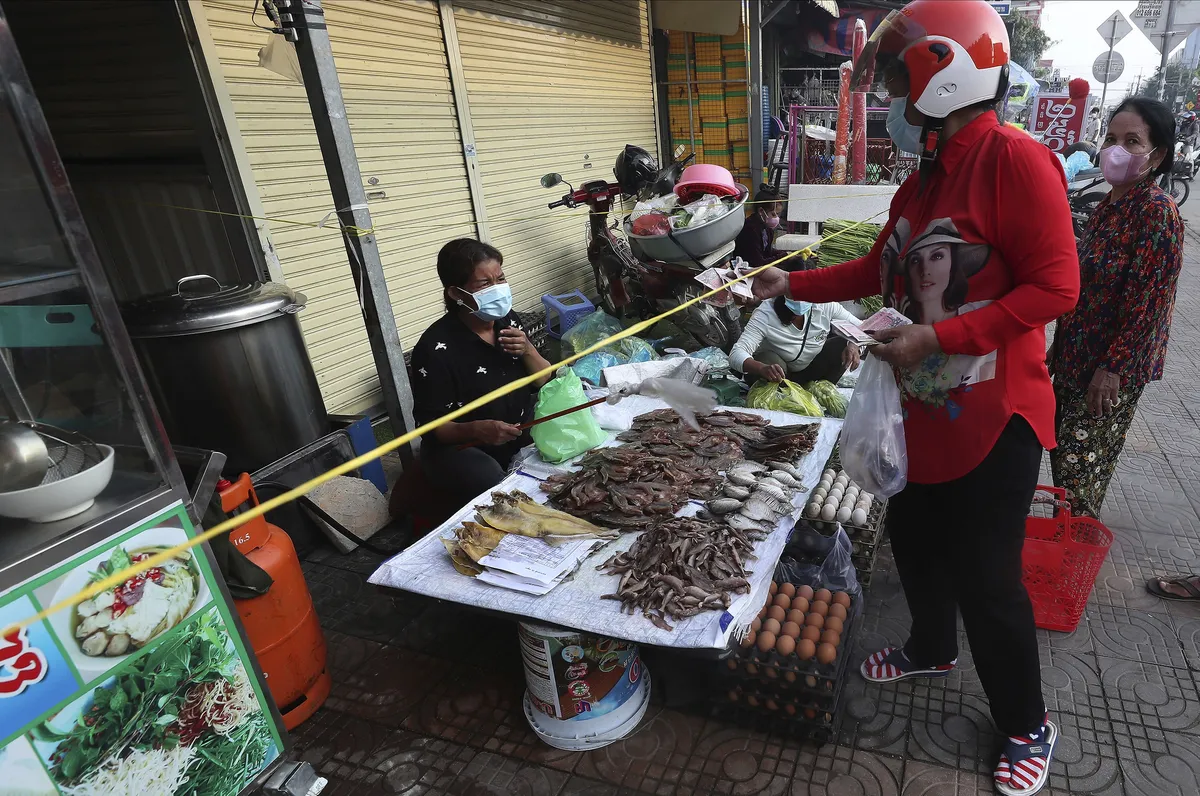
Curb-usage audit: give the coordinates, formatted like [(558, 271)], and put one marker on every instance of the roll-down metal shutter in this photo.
[(393, 69), (553, 86)]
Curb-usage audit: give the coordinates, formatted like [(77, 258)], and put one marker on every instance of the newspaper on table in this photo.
[(857, 333), (533, 565), (574, 601)]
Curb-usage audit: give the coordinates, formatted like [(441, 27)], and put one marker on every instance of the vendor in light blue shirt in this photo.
[(792, 339)]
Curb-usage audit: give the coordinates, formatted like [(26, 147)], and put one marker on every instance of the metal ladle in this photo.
[(24, 457)]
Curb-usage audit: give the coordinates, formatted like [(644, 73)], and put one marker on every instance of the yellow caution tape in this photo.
[(116, 579)]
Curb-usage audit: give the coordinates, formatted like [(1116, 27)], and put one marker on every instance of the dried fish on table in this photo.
[(516, 513), (679, 568)]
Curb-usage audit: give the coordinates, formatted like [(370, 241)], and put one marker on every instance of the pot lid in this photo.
[(202, 304)]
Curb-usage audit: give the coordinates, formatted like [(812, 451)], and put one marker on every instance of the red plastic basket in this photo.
[(1062, 558)]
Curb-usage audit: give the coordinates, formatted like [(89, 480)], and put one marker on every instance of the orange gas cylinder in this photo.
[(282, 624)]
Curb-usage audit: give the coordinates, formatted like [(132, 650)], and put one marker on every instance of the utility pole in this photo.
[(1112, 42), (1166, 34), (303, 21)]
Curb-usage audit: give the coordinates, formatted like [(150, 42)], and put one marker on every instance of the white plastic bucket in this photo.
[(583, 691)]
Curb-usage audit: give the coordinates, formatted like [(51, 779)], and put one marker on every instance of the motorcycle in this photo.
[(641, 288), (1187, 159)]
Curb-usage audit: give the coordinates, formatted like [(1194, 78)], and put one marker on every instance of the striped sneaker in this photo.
[(1024, 765), (891, 664)]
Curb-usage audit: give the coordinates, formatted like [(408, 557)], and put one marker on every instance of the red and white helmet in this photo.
[(956, 53)]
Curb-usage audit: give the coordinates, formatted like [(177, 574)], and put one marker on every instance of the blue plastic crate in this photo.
[(564, 311)]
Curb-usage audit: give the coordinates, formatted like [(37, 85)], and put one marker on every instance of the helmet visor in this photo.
[(896, 32)]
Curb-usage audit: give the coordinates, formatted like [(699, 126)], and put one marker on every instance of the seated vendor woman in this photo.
[(476, 347), (756, 242), (792, 339)]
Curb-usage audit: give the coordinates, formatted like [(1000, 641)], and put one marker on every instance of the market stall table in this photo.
[(425, 567)]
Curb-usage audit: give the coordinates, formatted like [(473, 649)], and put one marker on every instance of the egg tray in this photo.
[(791, 663), (821, 696), (867, 533), (822, 727)]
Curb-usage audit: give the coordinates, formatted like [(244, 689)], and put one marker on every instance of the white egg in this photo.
[(830, 474), (812, 510), (852, 490), (866, 507), (828, 513), (842, 474), (834, 502), (836, 493), (842, 479), (819, 493), (843, 514), (858, 517)]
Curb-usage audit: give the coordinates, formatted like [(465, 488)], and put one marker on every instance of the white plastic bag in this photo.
[(872, 447)]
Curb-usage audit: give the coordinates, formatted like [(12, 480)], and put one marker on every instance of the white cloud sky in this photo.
[(1073, 23)]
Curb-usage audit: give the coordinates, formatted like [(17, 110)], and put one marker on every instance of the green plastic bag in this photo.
[(785, 396), (570, 435)]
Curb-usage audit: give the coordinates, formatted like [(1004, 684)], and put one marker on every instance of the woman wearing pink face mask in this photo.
[(1115, 340), (756, 242)]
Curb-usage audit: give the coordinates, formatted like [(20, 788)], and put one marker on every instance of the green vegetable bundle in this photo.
[(843, 240), (827, 394), (784, 396)]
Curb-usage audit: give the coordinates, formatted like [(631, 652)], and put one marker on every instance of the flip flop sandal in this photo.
[(1182, 581), (891, 664), (1024, 766)]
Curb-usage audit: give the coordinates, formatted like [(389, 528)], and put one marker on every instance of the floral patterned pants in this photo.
[(1088, 447)]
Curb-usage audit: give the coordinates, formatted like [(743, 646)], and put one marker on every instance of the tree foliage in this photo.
[(1028, 41), (1179, 81)]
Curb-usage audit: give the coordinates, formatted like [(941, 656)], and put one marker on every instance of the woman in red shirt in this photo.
[(979, 253)]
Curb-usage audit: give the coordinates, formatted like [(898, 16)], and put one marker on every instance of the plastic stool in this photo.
[(563, 312)]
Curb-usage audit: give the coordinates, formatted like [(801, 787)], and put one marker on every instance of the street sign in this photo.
[(1115, 28), (1108, 67), (1003, 7)]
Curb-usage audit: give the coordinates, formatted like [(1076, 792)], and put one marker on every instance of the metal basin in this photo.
[(695, 241)]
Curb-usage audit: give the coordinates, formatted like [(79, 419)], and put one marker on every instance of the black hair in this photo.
[(782, 311), (1160, 120), (459, 258), (766, 193)]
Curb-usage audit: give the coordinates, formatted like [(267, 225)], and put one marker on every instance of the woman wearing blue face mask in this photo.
[(476, 347), (792, 339)]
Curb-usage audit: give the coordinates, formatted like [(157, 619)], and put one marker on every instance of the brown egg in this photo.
[(776, 613), (810, 681), (762, 612), (748, 640), (770, 671), (771, 705), (795, 616), (766, 641), (788, 589), (842, 599), (834, 623), (789, 676), (837, 610), (810, 714), (733, 696), (805, 591), (752, 701), (825, 653), (819, 607), (789, 709), (811, 633), (805, 649), (791, 629), (824, 595), (815, 620), (771, 626), (783, 601), (774, 588), (785, 645), (731, 664), (756, 626), (751, 669), (831, 637), (800, 604)]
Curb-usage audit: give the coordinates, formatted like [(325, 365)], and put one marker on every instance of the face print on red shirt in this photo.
[(927, 277)]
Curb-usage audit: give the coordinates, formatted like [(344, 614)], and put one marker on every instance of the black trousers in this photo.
[(957, 547), (463, 475), (826, 365)]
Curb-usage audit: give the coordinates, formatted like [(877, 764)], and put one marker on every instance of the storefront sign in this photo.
[(1057, 121), (144, 688)]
